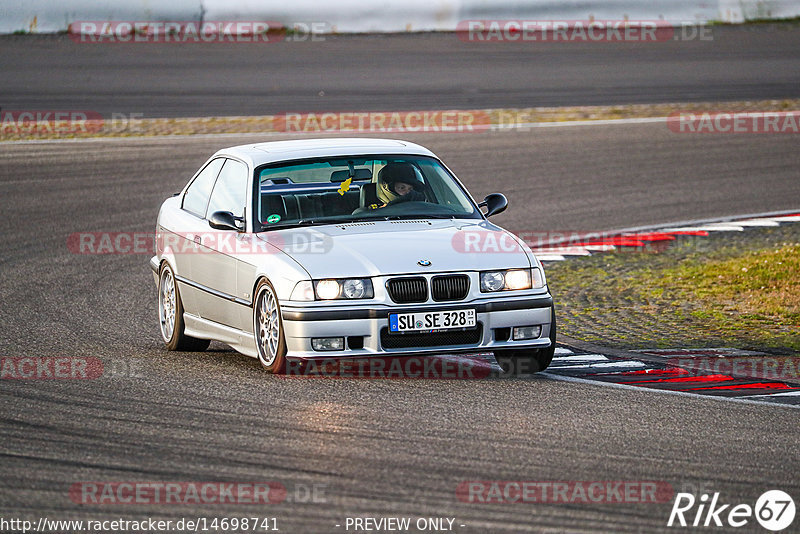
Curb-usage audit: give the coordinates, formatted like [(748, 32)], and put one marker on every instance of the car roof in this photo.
[(276, 151)]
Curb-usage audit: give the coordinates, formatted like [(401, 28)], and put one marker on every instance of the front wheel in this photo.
[(531, 360), (170, 315), (268, 328)]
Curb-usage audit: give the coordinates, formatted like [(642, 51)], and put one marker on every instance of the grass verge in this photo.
[(737, 289)]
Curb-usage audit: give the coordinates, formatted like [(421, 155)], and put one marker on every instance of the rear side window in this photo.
[(230, 192), (196, 198)]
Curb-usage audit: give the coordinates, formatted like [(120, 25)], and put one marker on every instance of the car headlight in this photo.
[(351, 288), (354, 289), (510, 280), (518, 279), (328, 289), (493, 281)]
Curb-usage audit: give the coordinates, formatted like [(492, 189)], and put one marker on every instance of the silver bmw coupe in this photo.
[(344, 248)]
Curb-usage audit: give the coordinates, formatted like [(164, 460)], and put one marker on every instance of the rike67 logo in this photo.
[(774, 510)]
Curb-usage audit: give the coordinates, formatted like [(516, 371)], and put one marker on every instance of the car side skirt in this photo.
[(204, 329)]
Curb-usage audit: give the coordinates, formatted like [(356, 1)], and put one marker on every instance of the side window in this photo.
[(196, 198), (230, 191)]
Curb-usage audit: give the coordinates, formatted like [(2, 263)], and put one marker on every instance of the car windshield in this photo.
[(347, 189)]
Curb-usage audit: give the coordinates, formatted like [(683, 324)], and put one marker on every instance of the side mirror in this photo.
[(223, 220), (495, 203)]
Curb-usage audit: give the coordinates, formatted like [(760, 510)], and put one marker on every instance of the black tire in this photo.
[(529, 361), (268, 328), (174, 338)]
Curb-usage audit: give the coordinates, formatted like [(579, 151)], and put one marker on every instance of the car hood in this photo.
[(398, 247)]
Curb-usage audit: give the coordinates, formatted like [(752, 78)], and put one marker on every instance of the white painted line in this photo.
[(786, 394), (780, 220), (715, 227), (723, 227), (645, 391), (605, 366), (562, 350), (757, 222), (682, 229), (550, 257), (581, 358)]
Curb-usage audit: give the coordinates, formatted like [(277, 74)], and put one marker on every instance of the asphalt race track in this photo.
[(380, 446), (367, 447), (404, 72)]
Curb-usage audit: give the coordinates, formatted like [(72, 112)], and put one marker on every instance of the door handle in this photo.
[(198, 240)]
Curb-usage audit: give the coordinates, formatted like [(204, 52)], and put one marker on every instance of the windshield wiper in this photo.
[(307, 222), (410, 216), (295, 224), (420, 216)]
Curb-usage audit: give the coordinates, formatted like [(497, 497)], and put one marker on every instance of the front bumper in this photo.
[(362, 327), (154, 266)]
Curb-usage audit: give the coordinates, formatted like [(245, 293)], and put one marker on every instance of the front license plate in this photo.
[(432, 321)]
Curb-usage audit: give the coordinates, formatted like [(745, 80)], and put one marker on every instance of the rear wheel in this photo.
[(170, 315), (268, 328), (531, 360)]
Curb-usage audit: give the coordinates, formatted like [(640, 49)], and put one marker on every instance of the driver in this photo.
[(398, 182)]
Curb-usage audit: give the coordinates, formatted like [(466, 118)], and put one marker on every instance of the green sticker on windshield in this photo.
[(273, 218)]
